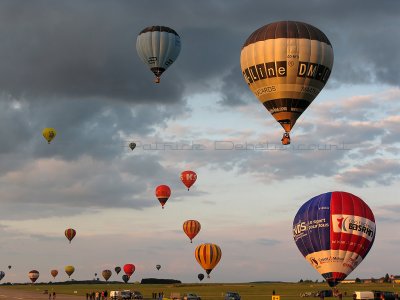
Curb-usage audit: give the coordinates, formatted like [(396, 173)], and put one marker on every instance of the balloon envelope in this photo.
[(2, 274), (208, 256), (106, 274), (70, 234), (33, 275), (125, 278), (49, 134), (286, 64), (163, 192), (158, 267), (117, 270), (188, 178), (158, 47), (132, 145), (129, 269), (54, 273), (9, 267), (334, 232), (191, 228), (69, 270), (200, 276)]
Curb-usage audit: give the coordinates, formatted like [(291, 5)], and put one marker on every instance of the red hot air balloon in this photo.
[(191, 228), (188, 178), (163, 192), (334, 232), (33, 275), (70, 234), (129, 269)]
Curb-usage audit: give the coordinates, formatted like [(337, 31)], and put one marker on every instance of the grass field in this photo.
[(248, 291)]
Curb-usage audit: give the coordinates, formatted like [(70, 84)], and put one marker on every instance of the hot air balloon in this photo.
[(2, 274), (163, 192), (208, 256), (200, 276), (33, 275), (158, 47), (286, 64), (191, 228), (334, 232), (125, 278), (129, 269), (69, 270), (49, 134), (9, 267), (132, 145), (117, 270), (188, 178), (106, 274), (54, 273), (158, 267), (70, 234), (95, 274)]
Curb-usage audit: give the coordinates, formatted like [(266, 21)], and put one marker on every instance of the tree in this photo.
[(358, 280), (301, 281), (386, 279)]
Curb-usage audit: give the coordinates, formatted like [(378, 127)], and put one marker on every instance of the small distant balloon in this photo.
[(117, 270), (69, 270), (2, 274), (163, 192), (106, 274), (200, 276), (125, 278), (95, 274), (49, 134), (158, 267), (70, 234), (54, 273), (188, 178), (132, 145), (191, 228), (9, 267), (33, 275)]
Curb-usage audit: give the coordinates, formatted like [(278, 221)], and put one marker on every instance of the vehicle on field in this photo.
[(191, 296), (384, 295), (126, 295), (232, 296), (363, 295), (115, 295), (137, 295), (175, 296)]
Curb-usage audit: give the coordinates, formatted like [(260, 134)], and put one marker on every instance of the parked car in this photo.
[(126, 295), (191, 296), (115, 295), (387, 295), (137, 295), (232, 296)]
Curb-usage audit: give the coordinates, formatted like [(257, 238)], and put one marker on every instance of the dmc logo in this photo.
[(314, 261)]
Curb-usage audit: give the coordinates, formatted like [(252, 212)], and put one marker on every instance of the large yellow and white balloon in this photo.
[(158, 47), (286, 64)]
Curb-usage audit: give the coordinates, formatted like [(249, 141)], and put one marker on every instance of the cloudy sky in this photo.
[(72, 65)]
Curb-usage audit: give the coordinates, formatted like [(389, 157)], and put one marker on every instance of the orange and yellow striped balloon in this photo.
[(208, 256), (70, 234), (191, 228)]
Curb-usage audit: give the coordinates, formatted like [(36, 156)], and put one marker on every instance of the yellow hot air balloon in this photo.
[(69, 270), (208, 256), (49, 134), (286, 64)]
